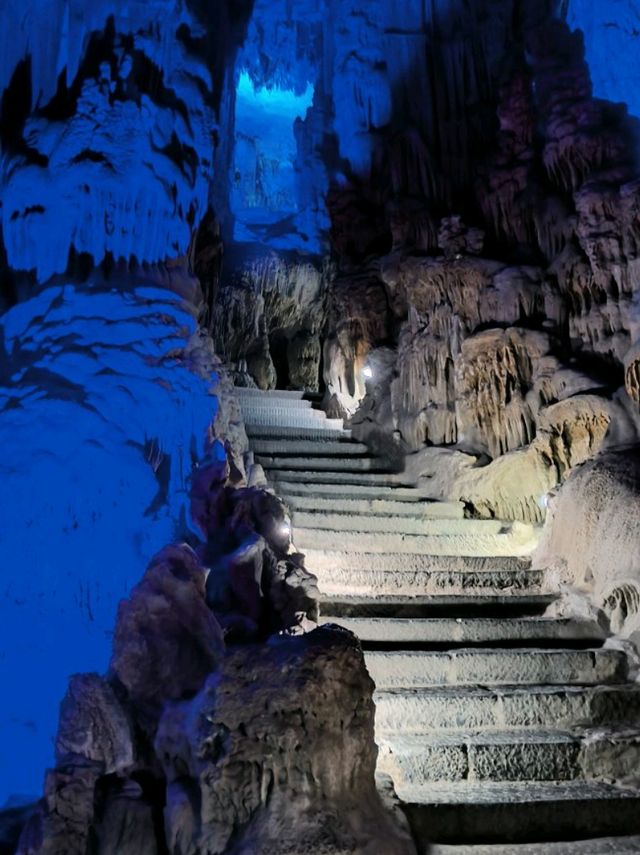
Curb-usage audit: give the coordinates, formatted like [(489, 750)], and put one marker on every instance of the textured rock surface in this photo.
[(592, 537), (187, 748), (103, 401), (276, 754), (166, 640)]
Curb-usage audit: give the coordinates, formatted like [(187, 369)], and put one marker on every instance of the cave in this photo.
[(320, 427)]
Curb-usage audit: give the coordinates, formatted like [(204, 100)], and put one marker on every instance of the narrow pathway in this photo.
[(496, 724)]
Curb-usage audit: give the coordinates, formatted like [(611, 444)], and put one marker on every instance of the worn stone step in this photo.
[(514, 539), (285, 416), (517, 755), (469, 630), (361, 583), (395, 525), (444, 604), (413, 562), (312, 465), (364, 582), (307, 448), (270, 394), (274, 402), (394, 492), (488, 666), (284, 477), (511, 812), (322, 431), (505, 707), (419, 509), (599, 846)]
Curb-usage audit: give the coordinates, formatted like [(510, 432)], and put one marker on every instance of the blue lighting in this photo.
[(275, 101), (612, 40), (265, 196)]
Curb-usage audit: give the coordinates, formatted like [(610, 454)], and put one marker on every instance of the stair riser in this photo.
[(342, 479), (376, 584), (390, 525), (495, 667), (517, 543), (322, 464), (253, 403), (269, 394), (589, 707), (533, 762), (320, 432), (516, 761), (326, 560), (318, 448), (514, 822), (451, 631), (420, 510)]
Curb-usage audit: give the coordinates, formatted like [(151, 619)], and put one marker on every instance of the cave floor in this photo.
[(502, 729)]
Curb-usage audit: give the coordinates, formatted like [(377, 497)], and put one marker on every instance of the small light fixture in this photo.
[(543, 501), (285, 530), (367, 372)]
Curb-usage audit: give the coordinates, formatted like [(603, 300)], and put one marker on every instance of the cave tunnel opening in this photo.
[(264, 180), (278, 348)]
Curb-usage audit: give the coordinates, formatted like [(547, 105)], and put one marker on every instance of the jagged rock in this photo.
[(269, 312), (455, 238), (62, 824), (499, 388), (166, 639), (276, 754), (94, 726), (591, 538), (359, 322), (13, 818)]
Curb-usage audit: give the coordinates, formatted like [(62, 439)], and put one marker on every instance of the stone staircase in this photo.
[(502, 730)]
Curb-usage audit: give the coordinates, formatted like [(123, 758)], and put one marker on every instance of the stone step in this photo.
[(274, 402), (476, 604), (419, 509), (311, 465), (283, 477), (300, 422), (515, 539), (470, 630), (505, 707), (510, 812), (599, 846), (270, 394), (394, 492), (313, 448), (287, 416), (395, 525), (344, 580), (379, 562), (529, 755), (322, 431), (489, 666)]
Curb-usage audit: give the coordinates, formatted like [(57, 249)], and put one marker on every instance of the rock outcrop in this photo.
[(186, 747), (591, 539), (276, 754)]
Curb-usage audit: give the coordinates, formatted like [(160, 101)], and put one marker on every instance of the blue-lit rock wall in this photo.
[(115, 155), (100, 422), (612, 41), (107, 389)]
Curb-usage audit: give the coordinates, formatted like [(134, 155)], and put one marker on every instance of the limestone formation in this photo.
[(592, 535), (166, 639), (276, 754)]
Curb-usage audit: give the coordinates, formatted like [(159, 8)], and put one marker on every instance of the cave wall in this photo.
[(457, 204), (509, 196), (111, 116)]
